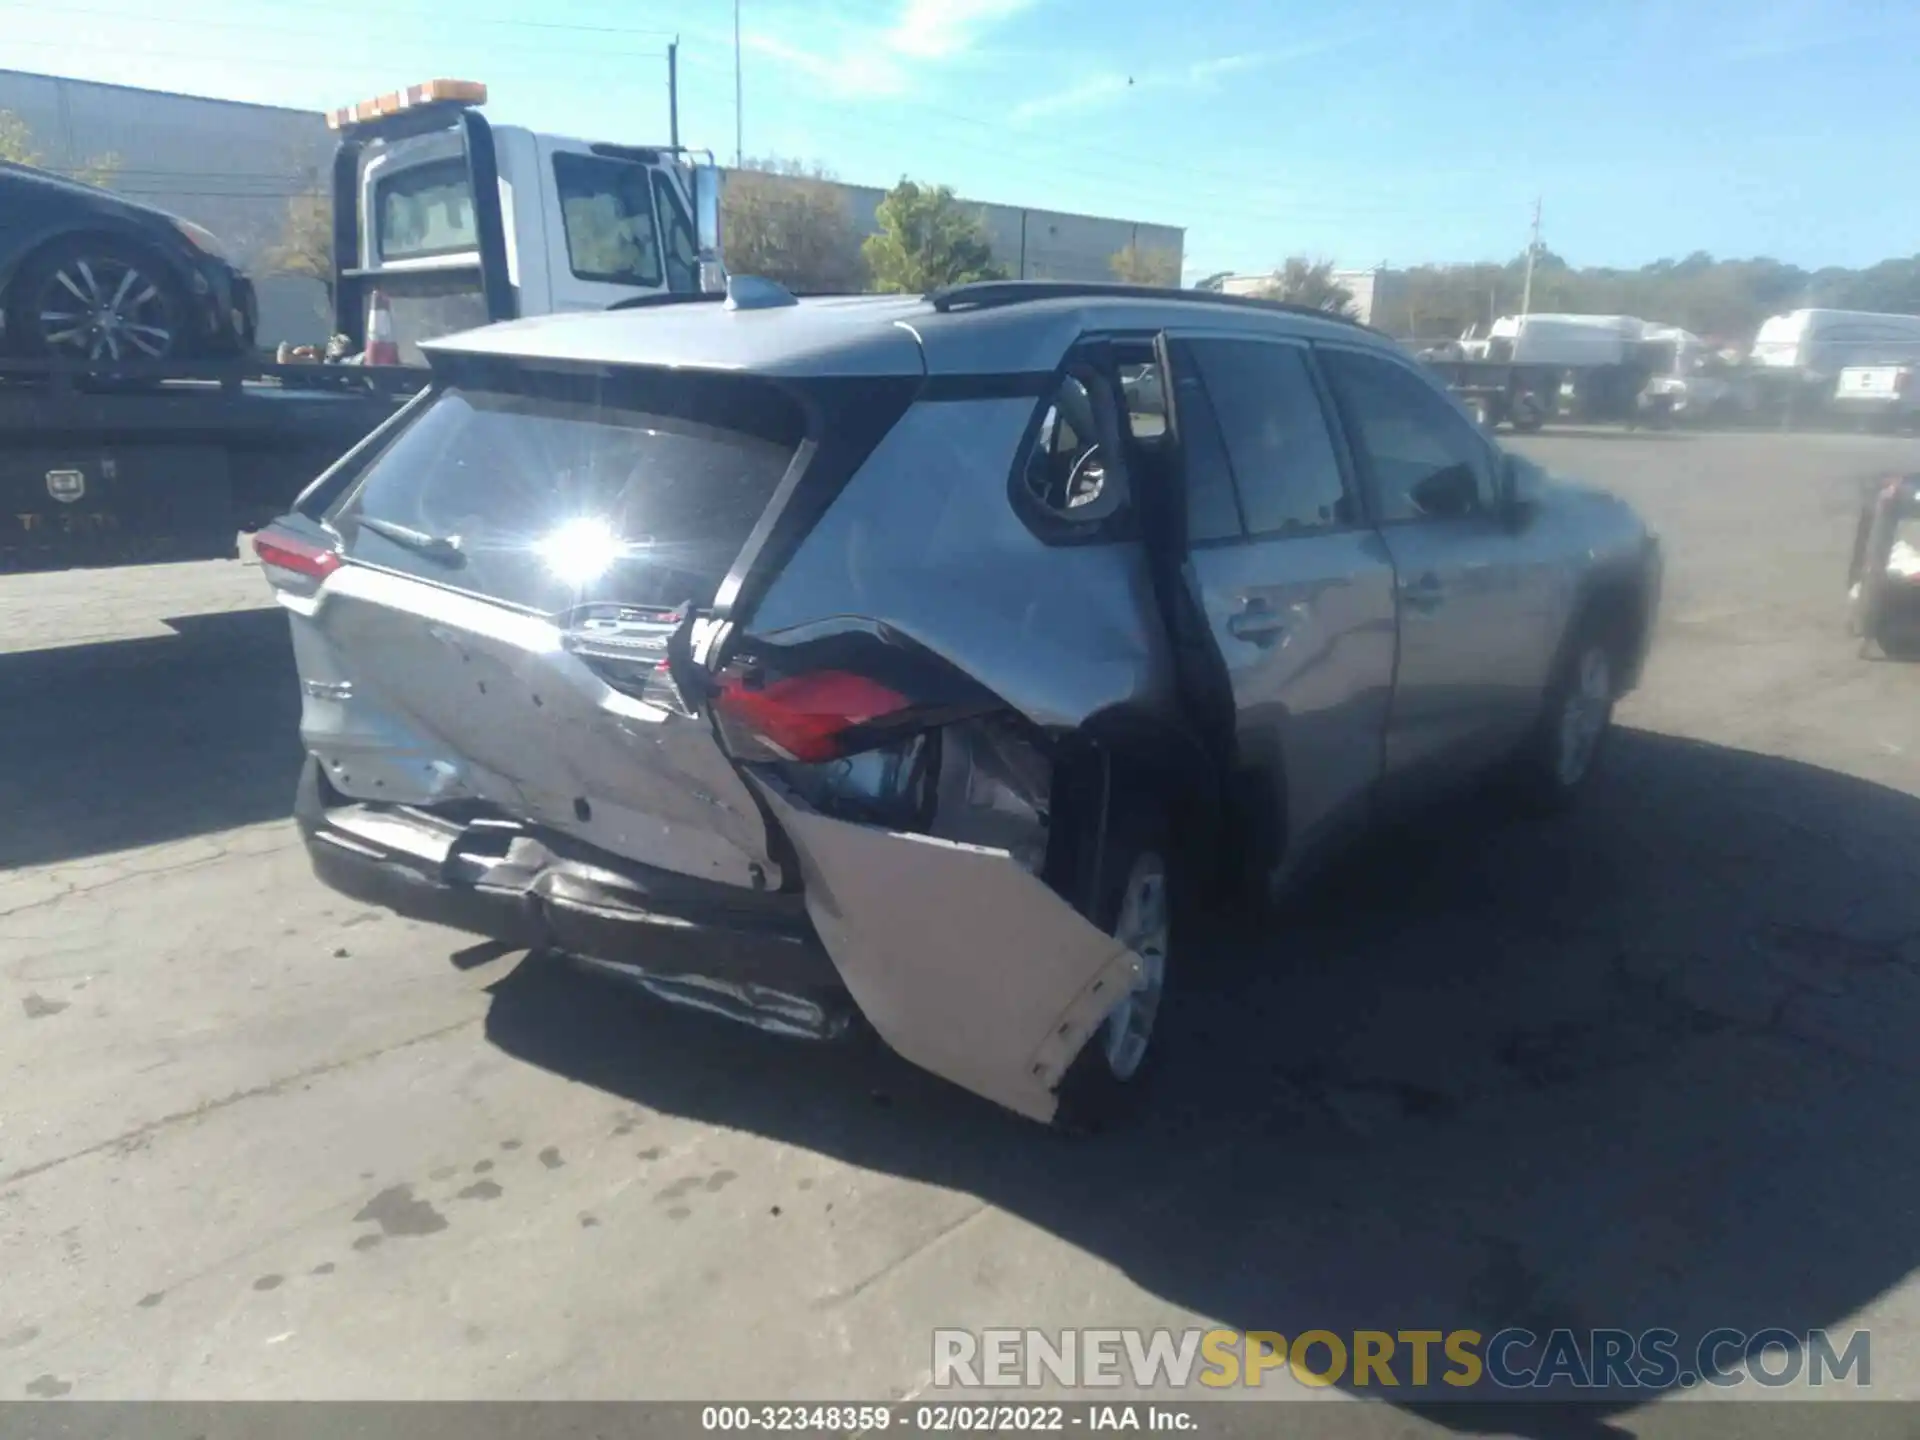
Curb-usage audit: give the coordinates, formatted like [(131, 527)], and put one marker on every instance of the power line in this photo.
[(306, 66), (388, 12)]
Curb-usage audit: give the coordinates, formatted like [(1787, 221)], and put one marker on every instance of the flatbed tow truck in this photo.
[(442, 222)]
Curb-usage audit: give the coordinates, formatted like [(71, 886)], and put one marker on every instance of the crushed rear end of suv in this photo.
[(735, 672)]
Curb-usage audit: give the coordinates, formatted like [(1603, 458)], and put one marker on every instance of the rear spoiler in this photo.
[(350, 276)]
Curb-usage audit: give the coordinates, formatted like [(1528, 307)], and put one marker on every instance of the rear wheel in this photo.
[(1134, 904), (97, 301)]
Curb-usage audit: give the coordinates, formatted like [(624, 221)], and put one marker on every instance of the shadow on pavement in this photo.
[(1645, 1066), (132, 742)]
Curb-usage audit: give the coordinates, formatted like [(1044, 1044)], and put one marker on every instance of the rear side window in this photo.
[(1213, 513), (553, 493), (607, 208), (427, 210), (1285, 470)]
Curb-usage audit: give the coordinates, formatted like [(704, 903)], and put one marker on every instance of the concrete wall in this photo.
[(230, 167)]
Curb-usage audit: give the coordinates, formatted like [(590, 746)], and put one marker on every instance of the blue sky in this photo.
[(1356, 131)]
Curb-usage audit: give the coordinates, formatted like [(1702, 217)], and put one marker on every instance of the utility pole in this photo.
[(739, 146), (1533, 248), (673, 93)]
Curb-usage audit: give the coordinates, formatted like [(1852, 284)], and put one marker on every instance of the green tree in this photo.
[(18, 146), (927, 240), (1149, 266), (1301, 281), (305, 246), (787, 221)]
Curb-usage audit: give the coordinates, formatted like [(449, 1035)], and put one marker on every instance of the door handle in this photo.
[(1258, 623), (1424, 594)]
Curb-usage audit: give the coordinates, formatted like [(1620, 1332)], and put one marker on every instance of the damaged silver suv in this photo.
[(921, 659)]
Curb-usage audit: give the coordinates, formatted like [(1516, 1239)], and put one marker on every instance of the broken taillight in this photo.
[(281, 551), (811, 717)]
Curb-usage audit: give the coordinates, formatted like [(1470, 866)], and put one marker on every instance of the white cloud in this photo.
[(1197, 75), (940, 29), (884, 59)]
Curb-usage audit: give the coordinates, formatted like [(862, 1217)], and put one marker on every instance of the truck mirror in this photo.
[(706, 210)]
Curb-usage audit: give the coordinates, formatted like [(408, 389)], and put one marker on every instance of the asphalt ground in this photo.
[(1650, 1065)]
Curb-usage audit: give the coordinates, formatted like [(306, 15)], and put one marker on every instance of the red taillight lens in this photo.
[(804, 717), (302, 557)]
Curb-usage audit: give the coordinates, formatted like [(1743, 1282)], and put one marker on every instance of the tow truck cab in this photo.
[(457, 222)]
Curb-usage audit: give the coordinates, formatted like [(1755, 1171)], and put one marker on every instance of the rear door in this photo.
[(522, 555), (1296, 585), (1475, 604), (614, 227)]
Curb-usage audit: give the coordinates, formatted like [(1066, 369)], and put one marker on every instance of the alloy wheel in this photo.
[(1144, 927), (1584, 715), (99, 307)]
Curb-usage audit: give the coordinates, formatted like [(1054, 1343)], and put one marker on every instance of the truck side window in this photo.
[(1427, 460), (1285, 470), (683, 258), (607, 208)]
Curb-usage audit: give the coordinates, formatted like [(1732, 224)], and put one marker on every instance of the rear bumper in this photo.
[(751, 954), (1887, 406)]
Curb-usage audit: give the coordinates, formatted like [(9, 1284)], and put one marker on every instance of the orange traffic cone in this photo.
[(382, 348)]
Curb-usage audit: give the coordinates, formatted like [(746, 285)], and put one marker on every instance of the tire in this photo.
[(1559, 757), (1136, 902), (90, 299)]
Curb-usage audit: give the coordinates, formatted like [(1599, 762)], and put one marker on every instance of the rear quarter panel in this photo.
[(925, 538)]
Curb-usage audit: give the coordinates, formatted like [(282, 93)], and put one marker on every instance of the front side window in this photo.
[(1427, 460), (607, 208), (427, 210)]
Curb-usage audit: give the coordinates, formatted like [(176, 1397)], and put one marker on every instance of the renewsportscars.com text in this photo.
[(1510, 1359)]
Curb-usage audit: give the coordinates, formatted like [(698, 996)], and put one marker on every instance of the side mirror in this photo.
[(706, 219)]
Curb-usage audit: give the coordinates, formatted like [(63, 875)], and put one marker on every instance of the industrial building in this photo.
[(238, 168), (1380, 295)]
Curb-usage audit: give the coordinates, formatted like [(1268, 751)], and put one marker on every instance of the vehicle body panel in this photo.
[(449, 697), (924, 538), (962, 960), (1311, 696)]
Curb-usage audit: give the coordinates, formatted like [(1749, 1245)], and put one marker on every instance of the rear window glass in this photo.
[(560, 494), (426, 211)]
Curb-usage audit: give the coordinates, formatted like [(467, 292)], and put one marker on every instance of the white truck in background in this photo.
[(1857, 364), (1526, 369), (443, 221)]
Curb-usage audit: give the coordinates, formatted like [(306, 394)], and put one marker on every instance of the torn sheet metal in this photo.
[(963, 961)]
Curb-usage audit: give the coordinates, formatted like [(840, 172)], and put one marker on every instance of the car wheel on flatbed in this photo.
[(93, 300)]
